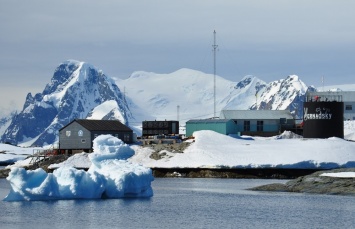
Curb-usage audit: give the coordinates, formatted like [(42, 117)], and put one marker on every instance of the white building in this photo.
[(347, 97)]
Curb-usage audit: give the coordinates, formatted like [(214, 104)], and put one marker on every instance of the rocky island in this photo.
[(332, 182)]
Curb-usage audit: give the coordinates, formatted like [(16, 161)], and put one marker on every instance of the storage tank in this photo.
[(323, 119)]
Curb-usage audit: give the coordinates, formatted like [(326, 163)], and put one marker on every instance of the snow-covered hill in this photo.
[(214, 150)]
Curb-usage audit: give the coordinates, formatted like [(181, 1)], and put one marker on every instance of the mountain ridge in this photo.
[(76, 88), (80, 90)]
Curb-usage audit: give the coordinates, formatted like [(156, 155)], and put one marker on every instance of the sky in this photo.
[(268, 39)]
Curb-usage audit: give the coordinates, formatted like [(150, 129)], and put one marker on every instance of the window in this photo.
[(83, 140), (260, 125), (246, 125), (349, 107), (126, 138)]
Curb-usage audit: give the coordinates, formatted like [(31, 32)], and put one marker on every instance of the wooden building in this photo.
[(79, 134)]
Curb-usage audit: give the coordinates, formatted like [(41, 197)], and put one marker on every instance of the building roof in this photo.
[(339, 96), (98, 125), (255, 114)]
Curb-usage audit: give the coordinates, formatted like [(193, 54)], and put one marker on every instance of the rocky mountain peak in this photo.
[(76, 88)]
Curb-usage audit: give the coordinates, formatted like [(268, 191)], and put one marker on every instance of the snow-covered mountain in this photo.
[(284, 94), (188, 94), (80, 90), (75, 90), (185, 93), (5, 122)]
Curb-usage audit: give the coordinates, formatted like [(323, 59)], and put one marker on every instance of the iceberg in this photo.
[(109, 176)]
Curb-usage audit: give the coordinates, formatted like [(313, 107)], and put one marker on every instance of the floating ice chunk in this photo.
[(109, 147), (109, 176)]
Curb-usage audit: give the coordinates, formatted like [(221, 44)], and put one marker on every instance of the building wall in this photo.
[(75, 136), (348, 97), (219, 127), (81, 138), (349, 110), (231, 127), (126, 137), (151, 128), (269, 125)]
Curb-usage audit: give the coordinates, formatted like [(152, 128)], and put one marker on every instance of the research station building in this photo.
[(346, 97), (79, 134), (245, 122), (154, 128)]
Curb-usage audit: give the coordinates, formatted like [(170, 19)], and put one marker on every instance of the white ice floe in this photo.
[(110, 176)]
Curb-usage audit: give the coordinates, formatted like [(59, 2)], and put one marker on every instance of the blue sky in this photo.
[(268, 39)]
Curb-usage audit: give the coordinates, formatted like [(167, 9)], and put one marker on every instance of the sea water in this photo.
[(186, 203)]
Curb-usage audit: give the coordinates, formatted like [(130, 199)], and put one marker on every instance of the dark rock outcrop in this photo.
[(317, 184)]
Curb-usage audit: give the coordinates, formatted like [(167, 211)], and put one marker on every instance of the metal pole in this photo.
[(178, 112), (214, 73)]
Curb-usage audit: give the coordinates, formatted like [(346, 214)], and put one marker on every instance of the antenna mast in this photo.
[(323, 82), (214, 72), (178, 112)]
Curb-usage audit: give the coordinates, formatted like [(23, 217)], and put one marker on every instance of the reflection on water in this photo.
[(187, 203)]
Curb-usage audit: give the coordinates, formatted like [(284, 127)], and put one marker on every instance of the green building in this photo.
[(260, 122), (245, 122), (223, 126)]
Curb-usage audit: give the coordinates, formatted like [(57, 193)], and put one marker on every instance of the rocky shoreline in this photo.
[(241, 173), (316, 184), (41, 164), (202, 172), (304, 180)]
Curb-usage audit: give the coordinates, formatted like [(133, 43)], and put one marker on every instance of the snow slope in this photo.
[(10, 154), (214, 150)]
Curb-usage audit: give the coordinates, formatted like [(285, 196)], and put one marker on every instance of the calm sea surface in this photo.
[(186, 203)]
